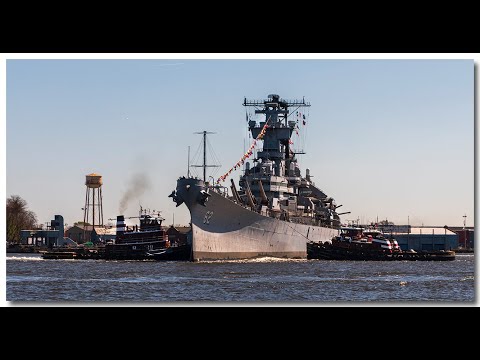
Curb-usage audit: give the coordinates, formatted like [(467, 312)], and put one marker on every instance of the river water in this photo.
[(260, 281)]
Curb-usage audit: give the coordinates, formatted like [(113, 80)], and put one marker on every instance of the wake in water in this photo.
[(25, 258), (265, 259)]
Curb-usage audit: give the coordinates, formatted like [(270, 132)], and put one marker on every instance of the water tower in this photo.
[(93, 210)]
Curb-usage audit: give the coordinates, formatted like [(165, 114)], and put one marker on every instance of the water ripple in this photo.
[(262, 280)]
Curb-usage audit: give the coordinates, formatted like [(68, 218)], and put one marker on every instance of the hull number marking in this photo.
[(208, 216)]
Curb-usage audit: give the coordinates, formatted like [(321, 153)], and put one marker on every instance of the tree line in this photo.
[(19, 217)]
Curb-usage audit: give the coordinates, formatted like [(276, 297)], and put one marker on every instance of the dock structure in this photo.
[(81, 253)]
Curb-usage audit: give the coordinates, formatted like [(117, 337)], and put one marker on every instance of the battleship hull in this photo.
[(222, 229)]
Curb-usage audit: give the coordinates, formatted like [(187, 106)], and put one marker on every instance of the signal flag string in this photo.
[(246, 155)]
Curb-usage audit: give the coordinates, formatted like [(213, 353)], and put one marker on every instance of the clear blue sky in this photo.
[(386, 138)]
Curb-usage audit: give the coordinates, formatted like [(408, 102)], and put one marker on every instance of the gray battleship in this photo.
[(276, 210)]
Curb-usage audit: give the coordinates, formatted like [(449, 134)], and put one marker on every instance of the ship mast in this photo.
[(188, 163), (276, 145), (204, 166)]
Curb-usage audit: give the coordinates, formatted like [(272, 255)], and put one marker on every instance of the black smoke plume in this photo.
[(138, 184)]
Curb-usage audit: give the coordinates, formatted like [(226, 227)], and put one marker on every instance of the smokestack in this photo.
[(120, 224)]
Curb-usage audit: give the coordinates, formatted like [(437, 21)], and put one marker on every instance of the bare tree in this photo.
[(18, 218)]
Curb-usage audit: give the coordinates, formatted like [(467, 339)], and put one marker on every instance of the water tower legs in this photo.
[(93, 210)]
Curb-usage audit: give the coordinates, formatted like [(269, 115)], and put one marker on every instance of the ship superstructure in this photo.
[(276, 184)]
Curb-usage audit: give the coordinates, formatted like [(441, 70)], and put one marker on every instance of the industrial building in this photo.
[(82, 233), (427, 238), (430, 238), (466, 236), (50, 237)]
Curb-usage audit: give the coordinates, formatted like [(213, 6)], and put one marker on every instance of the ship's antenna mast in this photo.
[(188, 163), (205, 154)]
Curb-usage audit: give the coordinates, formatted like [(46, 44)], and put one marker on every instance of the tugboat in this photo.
[(135, 243), (365, 239), (276, 210), (357, 243)]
